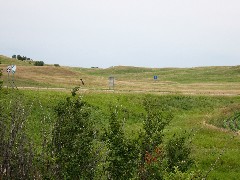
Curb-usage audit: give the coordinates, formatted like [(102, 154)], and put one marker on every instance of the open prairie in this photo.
[(204, 102), (196, 81)]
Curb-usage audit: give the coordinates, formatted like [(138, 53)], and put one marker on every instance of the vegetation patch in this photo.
[(228, 118)]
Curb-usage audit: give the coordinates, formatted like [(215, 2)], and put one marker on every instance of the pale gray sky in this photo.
[(104, 33)]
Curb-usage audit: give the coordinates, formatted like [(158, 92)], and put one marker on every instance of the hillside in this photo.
[(224, 80)]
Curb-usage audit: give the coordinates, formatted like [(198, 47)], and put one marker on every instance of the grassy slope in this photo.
[(9, 61), (201, 80)]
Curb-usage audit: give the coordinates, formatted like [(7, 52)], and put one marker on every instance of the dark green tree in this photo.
[(19, 57), (38, 63), (14, 56)]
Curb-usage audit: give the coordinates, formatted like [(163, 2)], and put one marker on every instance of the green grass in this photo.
[(189, 113), (179, 75)]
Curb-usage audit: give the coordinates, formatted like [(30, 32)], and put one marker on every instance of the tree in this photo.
[(38, 63), (19, 57)]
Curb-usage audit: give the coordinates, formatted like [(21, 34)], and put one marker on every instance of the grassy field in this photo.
[(211, 146), (201, 99), (201, 80)]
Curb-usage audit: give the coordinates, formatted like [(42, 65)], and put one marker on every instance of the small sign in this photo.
[(155, 77), (14, 68), (9, 68)]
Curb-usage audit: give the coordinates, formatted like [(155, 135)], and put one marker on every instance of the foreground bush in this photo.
[(77, 150), (122, 158), (16, 149), (145, 157), (73, 137)]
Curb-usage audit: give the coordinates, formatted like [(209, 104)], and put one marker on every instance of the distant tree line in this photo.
[(22, 58), (19, 57)]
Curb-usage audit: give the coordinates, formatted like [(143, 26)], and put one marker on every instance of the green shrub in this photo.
[(74, 91), (73, 137), (152, 162), (122, 157), (178, 154), (145, 156), (16, 149), (179, 175), (38, 63), (72, 148)]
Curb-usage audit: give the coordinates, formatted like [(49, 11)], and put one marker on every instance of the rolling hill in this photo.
[(222, 80)]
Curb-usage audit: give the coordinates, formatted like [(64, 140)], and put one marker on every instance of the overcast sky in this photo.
[(104, 33)]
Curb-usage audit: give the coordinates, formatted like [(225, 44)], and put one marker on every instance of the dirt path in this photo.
[(183, 92)]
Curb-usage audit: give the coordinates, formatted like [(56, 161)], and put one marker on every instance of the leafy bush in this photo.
[(144, 157), (178, 154), (56, 65), (179, 175), (73, 140), (16, 149), (122, 157), (152, 161), (73, 148), (74, 91)]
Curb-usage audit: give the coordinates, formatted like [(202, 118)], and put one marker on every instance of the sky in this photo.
[(105, 33)]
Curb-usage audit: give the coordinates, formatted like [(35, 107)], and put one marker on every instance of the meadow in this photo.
[(191, 81), (204, 103)]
